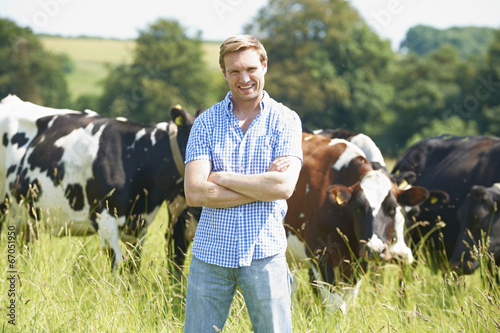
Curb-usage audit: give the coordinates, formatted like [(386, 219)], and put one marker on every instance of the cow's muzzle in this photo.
[(374, 252)]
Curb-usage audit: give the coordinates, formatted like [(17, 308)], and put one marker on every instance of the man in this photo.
[(243, 160)]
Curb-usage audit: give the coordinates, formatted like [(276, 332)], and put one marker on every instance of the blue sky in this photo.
[(218, 19)]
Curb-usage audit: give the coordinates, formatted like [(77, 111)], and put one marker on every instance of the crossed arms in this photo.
[(205, 188)]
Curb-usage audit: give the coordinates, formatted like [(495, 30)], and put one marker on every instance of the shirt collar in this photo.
[(265, 102)]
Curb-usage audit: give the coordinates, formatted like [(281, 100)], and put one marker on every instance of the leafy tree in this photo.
[(487, 89), (469, 41), (326, 64), (167, 69), (453, 125), (27, 70), (87, 101), (429, 90)]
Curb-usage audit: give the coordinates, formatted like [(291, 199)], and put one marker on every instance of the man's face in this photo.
[(245, 75)]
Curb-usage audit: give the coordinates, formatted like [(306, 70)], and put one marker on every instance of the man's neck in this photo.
[(246, 113), (245, 109)]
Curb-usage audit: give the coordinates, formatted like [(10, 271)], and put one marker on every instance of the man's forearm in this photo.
[(227, 189), (200, 192), (277, 183), (266, 186), (215, 196)]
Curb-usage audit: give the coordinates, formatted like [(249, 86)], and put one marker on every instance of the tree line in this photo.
[(325, 62)]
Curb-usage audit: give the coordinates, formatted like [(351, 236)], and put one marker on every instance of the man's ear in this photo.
[(224, 73), (264, 65)]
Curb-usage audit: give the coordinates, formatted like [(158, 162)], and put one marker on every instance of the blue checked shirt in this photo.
[(233, 237)]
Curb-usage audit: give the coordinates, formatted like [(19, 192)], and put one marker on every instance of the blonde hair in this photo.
[(239, 43)]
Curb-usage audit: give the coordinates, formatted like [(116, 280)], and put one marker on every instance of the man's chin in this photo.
[(250, 96)]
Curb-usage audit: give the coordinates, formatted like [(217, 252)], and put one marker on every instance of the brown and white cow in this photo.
[(96, 174), (342, 209), (363, 141)]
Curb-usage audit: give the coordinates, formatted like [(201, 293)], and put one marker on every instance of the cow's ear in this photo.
[(404, 178), (413, 196), (178, 115), (438, 197), (339, 194)]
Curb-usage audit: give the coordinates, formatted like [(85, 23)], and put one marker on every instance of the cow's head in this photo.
[(376, 202), (477, 215), (436, 199)]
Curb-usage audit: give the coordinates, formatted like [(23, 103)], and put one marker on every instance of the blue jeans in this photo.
[(265, 285)]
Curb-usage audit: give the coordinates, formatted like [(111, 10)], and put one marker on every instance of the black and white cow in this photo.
[(95, 174), (479, 214), (450, 164)]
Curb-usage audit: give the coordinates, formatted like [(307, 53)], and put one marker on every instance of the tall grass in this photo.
[(64, 284)]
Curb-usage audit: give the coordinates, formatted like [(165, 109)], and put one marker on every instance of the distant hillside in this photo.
[(469, 41), (89, 57)]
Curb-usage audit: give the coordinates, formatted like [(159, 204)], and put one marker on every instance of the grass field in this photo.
[(90, 56), (65, 285)]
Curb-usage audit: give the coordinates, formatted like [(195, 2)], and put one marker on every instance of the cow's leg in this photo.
[(176, 242), (179, 241), (3, 217), (134, 245), (25, 218), (184, 230), (175, 236), (108, 230), (334, 301)]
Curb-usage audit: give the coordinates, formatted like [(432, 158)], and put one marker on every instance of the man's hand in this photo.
[(280, 164)]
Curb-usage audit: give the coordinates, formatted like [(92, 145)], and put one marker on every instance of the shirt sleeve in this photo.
[(289, 141), (198, 145)]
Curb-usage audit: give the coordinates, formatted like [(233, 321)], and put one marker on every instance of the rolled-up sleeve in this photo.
[(289, 142), (198, 145)]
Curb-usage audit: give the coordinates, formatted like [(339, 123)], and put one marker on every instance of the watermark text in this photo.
[(11, 274)]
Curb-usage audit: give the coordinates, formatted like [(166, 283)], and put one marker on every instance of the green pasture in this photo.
[(64, 284), (97, 50), (211, 55), (91, 57)]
